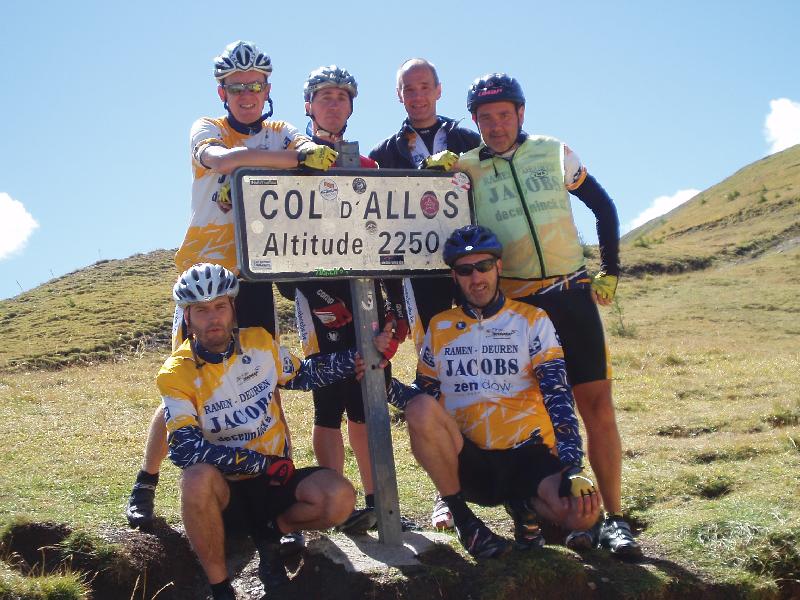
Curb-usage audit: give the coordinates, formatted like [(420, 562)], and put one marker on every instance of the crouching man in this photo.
[(227, 432), (490, 414)]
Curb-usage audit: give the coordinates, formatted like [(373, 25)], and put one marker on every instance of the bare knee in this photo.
[(422, 413), (202, 484), (333, 496), (340, 500), (595, 403)]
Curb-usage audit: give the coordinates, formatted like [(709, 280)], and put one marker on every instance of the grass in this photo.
[(66, 586), (708, 426), (106, 310), (705, 345)]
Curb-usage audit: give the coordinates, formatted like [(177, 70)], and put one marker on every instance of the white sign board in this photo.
[(346, 222)]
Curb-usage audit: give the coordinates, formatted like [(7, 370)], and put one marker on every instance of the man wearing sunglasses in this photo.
[(521, 187), (245, 136), (490, 407)]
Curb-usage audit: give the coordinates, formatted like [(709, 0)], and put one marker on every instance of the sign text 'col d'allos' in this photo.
[(346, 223)]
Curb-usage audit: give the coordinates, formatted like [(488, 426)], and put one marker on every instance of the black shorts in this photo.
[(432, 296), (254, 503), (255, 305), (577, 321), (331, 401), (491, 477)]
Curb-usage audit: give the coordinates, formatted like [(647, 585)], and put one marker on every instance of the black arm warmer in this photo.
[(595, 197)]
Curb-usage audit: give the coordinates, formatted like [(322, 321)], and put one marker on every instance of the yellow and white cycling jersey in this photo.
[(485, 370), (230, 401), (210, 235)]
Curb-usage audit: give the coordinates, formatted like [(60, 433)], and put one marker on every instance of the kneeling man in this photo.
[(227, 432), (492, 416)]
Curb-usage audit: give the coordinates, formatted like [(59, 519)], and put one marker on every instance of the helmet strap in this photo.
[(323, 133), (248, 128), (237, 346)]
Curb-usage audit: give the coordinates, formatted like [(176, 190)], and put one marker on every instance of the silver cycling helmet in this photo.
[(331, 76), (241, 56), (204, 282)]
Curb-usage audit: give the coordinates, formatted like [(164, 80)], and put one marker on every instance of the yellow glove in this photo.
[(223, 197), (604, 285), (575, 483), (316, 157), (443, 161)]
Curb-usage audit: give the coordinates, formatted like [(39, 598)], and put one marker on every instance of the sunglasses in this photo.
[(482, 266), (237, 88)]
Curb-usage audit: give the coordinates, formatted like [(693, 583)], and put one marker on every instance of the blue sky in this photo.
[(660, 100)]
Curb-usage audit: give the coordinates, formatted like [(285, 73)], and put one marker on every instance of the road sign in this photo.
[(346, 223)]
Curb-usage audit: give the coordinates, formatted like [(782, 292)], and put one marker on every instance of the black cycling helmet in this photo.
[(494, 87), (471, 239)]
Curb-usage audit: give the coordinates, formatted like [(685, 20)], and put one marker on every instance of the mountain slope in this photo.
[(755, 210), (90, 314)]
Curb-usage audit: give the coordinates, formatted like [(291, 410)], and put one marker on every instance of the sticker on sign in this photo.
[(392, 223)]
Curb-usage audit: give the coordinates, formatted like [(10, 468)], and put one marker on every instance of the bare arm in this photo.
[(225, 160)]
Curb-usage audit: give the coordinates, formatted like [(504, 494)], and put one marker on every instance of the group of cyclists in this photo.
[(491, 414)]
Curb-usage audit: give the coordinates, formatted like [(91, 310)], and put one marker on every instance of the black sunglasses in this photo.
[(482, 266)]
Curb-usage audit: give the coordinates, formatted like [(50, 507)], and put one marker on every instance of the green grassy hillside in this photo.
[(95, 313), (750, 212), (101, 312)]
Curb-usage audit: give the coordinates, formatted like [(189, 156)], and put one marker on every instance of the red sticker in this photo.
[(429, 204)]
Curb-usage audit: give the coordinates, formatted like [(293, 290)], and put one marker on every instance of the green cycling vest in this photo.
[(524, 201)]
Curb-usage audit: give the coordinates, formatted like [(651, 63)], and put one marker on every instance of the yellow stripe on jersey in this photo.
[(209, 237), (231, 402), (213, 243), (486, 372)]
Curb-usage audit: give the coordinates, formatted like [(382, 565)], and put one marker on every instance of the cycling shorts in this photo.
[(255, 306), (331, 401), (491, 477), (254, 503), (577, 321)]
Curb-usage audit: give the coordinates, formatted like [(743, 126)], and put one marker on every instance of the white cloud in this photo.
[(661, 205), (16, 225), (782, 126)]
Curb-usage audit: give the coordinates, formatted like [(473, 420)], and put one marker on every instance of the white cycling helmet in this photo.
[(241, 56), (332, 76), (204, 282)]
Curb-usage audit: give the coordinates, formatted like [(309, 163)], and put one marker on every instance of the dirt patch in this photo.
[(122, 564), (161, 564)]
